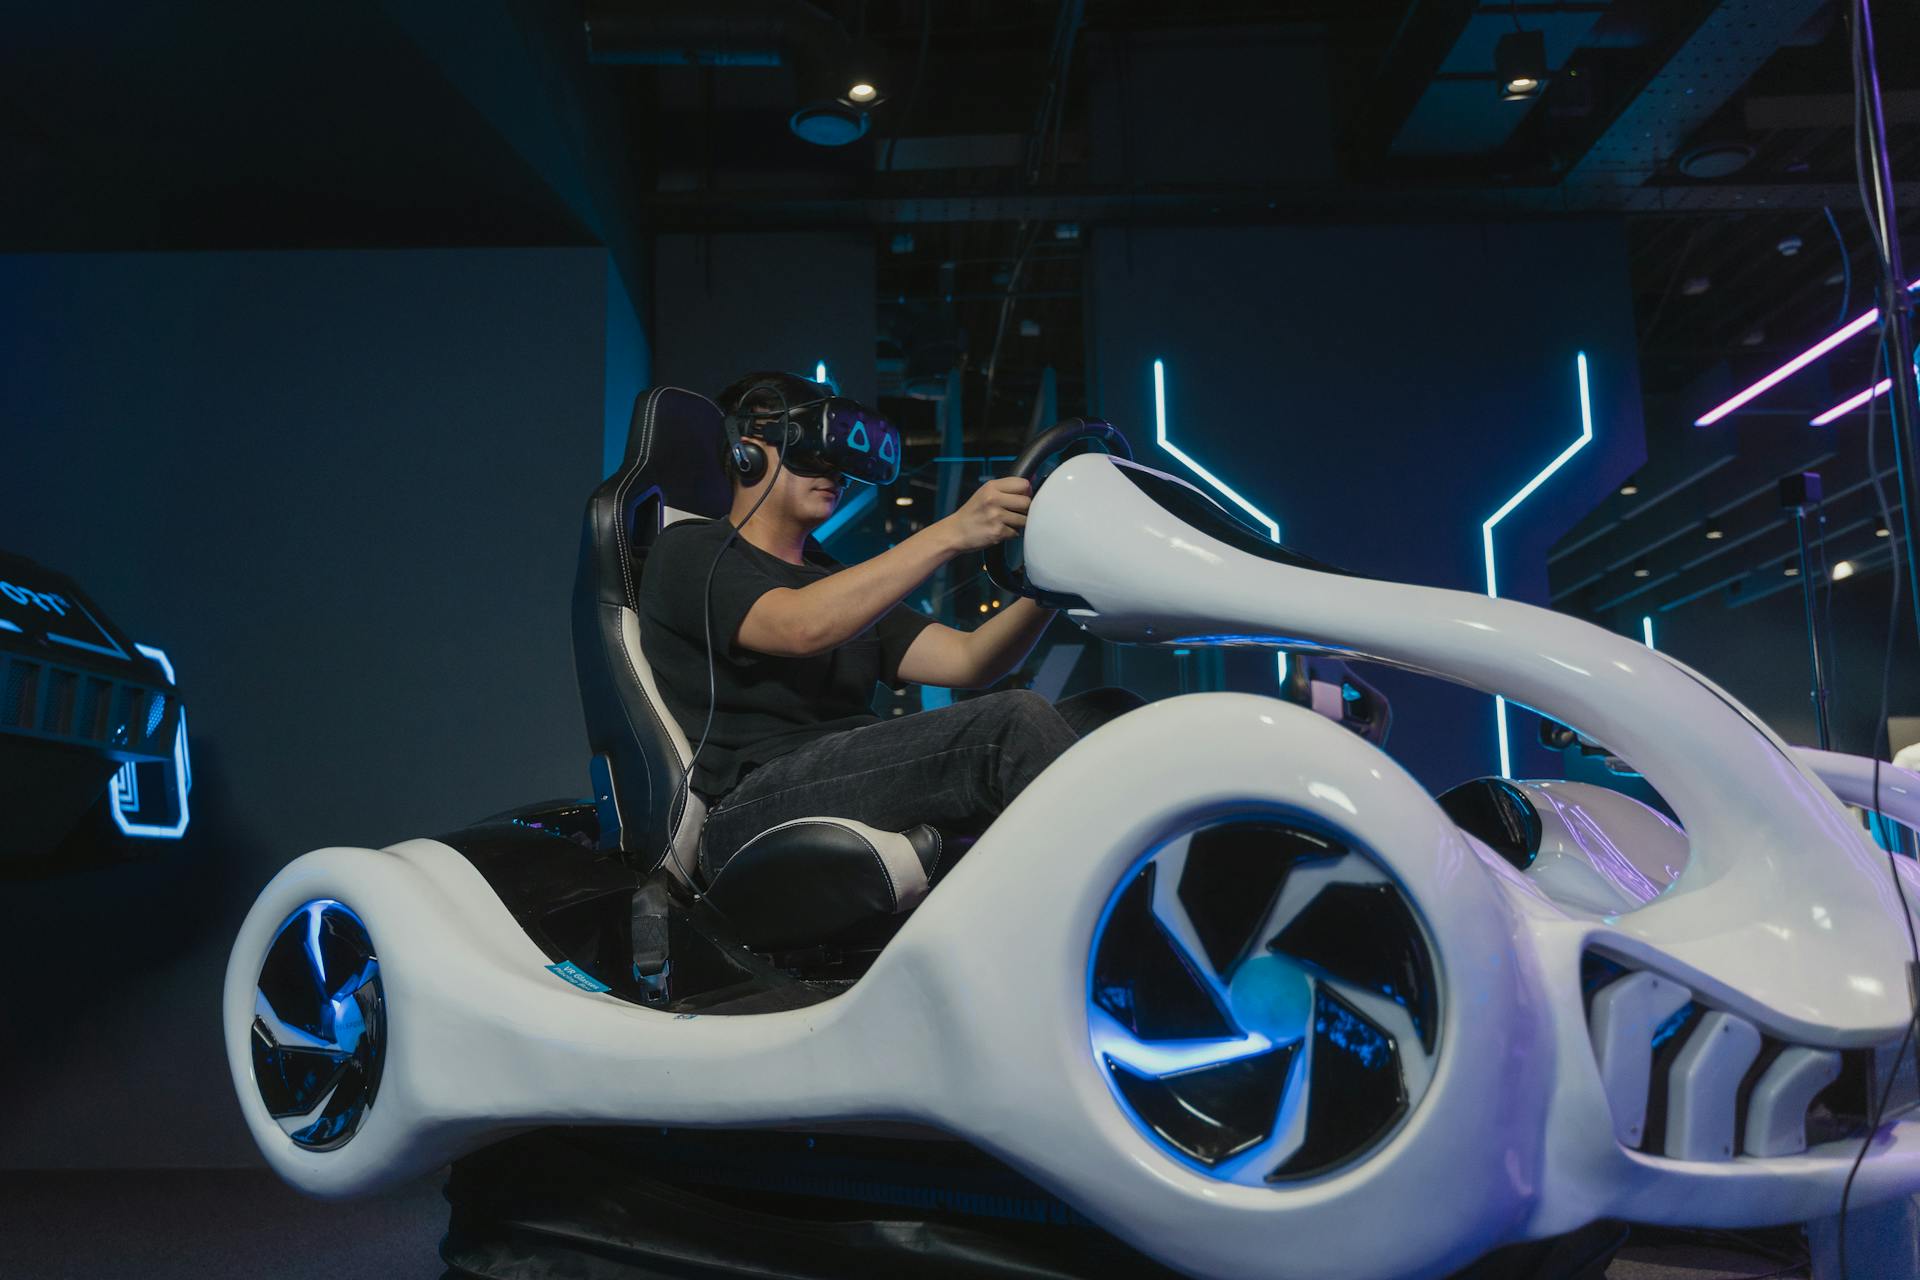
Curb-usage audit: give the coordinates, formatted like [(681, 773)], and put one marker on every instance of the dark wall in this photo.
[(724, 305), (1758, 653), (342, 490), (1381, 392)]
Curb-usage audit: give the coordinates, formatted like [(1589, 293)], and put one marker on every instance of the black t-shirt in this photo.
[(764, 706)]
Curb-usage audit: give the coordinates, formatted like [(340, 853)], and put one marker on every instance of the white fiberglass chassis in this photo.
[(975, 1019)]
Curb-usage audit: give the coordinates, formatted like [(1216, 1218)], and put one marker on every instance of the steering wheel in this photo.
[(1062, 434)]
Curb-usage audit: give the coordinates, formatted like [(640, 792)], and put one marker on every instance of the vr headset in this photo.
[(829, 436)]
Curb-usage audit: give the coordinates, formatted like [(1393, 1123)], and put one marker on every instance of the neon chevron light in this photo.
[(1646, 628), (1265, 521), (1859, 324), (125, 791), (1160, 437), (1506, 509)]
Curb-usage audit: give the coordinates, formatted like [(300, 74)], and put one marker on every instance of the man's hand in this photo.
[(996, 511)]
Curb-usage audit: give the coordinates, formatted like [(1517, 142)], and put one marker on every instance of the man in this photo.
[(800, 640)]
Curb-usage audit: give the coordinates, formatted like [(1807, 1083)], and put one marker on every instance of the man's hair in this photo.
[(761, 392)]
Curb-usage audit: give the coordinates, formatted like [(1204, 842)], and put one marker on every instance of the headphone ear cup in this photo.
[(749, 460)]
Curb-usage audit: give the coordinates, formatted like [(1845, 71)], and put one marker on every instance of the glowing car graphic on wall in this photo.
[(1225, 978), (87, 717)]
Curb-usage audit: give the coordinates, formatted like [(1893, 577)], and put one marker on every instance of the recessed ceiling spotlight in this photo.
[(1788, 246), (1520, 64), (1753, 337), (1843, 570), (1694, 286), (1792, 570), (1715, 160), (862, 92), (1628, 490), (903, 501), (1640, 570), (1714, 532), (1882, 532)]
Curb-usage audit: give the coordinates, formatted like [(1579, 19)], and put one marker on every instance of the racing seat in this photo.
[(816, 881)]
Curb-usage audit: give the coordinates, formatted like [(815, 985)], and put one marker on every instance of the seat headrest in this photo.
[(674, 443)]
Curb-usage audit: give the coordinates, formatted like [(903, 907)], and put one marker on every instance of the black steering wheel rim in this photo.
[(1061, 435)]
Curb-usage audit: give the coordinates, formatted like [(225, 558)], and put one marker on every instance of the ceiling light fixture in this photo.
[(836, 89), (1843, 571), (1520, 65), (1714, 532), (1640, 570), (1628, 490), (903, 501)]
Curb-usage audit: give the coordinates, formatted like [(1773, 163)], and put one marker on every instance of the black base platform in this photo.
[(599, 1204)]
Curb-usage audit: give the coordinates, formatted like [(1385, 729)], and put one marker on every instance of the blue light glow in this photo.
[(851, 509), (1507, 508), (1646, 628), (1265, 521), (8, 626), (125, 793), (111, 649)]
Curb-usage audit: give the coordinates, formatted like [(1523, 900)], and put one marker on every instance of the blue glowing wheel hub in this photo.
[(319, 1026), (1263, 1001)]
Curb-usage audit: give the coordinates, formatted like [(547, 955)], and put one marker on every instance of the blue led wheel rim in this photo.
[(319, 1033), (1263, 1001)]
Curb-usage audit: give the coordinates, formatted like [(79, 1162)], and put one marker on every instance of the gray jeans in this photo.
[(955, 767)]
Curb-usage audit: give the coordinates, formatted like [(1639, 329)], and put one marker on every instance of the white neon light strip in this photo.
[(1506, 509), (1265, 521), (1646, 628), (1859, 324)]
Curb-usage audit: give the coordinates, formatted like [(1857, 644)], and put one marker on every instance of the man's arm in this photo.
[(798, 622), (941, 655)]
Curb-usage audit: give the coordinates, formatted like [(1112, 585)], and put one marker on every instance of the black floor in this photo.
[(216, 1224), (210, 1225)]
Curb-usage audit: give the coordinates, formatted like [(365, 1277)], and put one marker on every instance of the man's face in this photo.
[(806, 500)]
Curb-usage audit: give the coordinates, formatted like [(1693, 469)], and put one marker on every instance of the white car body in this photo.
[(1767, 908)]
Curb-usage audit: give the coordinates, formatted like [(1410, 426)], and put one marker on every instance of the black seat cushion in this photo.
[(814, 879)]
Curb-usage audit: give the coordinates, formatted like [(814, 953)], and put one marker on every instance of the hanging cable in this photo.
[(1880, 735), (1846, 267)]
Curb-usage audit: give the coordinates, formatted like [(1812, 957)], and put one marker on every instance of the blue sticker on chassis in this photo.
[(578, 977)]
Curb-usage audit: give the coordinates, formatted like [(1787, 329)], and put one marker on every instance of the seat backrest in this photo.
[(671, 471)]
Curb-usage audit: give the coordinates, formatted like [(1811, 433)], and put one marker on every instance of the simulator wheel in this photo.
[(1264, 1002), (319, 1026)]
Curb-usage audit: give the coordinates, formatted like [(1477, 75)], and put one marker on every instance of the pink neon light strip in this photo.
[(1853, 327), (1849, 405)]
